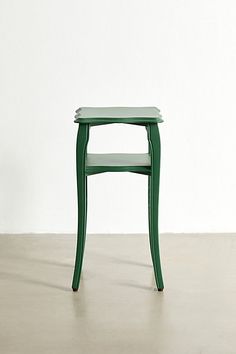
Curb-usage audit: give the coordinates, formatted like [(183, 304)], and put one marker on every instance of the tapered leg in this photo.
[(153, 201), (81, 147)]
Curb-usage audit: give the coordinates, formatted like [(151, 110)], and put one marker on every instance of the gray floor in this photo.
[(117, 309)]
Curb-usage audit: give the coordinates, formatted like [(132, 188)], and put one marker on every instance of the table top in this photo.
[(104, 115)]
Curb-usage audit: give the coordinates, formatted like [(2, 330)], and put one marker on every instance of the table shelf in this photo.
[(99, 163)]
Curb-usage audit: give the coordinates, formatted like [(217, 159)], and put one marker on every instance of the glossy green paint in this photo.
[(147, 164)]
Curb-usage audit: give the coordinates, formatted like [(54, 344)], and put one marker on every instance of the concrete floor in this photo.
[(116, 309)]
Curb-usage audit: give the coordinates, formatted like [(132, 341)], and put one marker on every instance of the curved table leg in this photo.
[(153, 201), (81, 146)]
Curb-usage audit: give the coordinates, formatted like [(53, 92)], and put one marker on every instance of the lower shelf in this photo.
[(99, 163)]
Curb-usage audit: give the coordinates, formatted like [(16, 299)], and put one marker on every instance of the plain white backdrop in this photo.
[(59, 55)]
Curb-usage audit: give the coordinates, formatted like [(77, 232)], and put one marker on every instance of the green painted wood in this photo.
[(107, 115), (153, 201), (89, 164), (99, 163), (81, 146)]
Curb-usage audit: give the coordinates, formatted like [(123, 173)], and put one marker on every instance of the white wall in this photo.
[(57, 55)]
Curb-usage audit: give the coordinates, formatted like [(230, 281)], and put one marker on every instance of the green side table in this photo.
[(90, 164)]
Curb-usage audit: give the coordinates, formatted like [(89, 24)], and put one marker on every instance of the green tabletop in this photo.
[(104, 115)]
